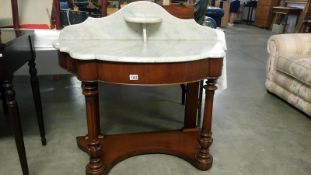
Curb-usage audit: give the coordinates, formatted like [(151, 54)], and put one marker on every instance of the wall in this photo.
[(30, 11)]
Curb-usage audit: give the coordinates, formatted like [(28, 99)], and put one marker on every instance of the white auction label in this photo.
[(133, 77), (1, 55)]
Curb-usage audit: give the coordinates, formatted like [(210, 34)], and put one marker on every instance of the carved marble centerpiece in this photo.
[(141, 32)]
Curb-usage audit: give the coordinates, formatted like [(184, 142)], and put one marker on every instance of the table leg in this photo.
[(15, 122), (203, 157), (37, 97), (192, 103), (285, 25), (183, 93), (251, 16), (2, 93), (248, 15), (274, 18), (95, 165)]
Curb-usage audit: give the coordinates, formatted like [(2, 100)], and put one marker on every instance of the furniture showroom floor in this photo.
[(254, 132)]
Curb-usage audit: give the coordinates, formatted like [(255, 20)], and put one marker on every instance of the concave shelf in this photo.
[(143, 20)]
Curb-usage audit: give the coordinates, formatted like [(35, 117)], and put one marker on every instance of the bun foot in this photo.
[(93, 170), (203, 163)]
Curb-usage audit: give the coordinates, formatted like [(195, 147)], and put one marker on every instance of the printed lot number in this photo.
[(133, 77)]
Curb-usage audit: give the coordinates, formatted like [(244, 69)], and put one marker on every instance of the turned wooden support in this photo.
[(203, 157), (36, 92), (90, 91), (15, 122)]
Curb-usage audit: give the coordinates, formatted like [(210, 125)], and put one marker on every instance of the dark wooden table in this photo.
[(15, 51), (190, 143)]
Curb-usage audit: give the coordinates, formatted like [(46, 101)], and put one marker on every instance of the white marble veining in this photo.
[(119, 37)]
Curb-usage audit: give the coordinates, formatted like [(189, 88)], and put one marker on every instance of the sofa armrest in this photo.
[(286, 45), (289, 44)]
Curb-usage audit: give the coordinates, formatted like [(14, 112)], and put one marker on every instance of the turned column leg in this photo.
[(15, 122), (203, 158), (90, 91), (36, 95)]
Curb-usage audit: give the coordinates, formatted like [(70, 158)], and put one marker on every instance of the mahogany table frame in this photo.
[(189, 143)]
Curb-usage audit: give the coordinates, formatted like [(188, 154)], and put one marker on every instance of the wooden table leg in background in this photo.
[(285, 25), (36, 94), (203, 157), (191, 106), (15, 122), (274, 16), (90, 91), (183, 93), (3, 99)]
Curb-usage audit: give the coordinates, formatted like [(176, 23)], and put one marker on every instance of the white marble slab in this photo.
[(116, 38)]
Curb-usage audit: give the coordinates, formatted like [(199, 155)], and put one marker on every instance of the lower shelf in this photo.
[(115, 148)]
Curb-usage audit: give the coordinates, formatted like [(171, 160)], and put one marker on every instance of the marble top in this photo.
[(142, 31)]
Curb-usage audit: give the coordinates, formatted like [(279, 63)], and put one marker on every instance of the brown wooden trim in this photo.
[(148, 73), (180, 11), (286, 10)]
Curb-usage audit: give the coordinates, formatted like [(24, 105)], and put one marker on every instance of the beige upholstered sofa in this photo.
[(289, 69)]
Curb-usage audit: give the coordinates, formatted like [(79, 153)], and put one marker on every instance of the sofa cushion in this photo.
[(299, 67), (293, 86)]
